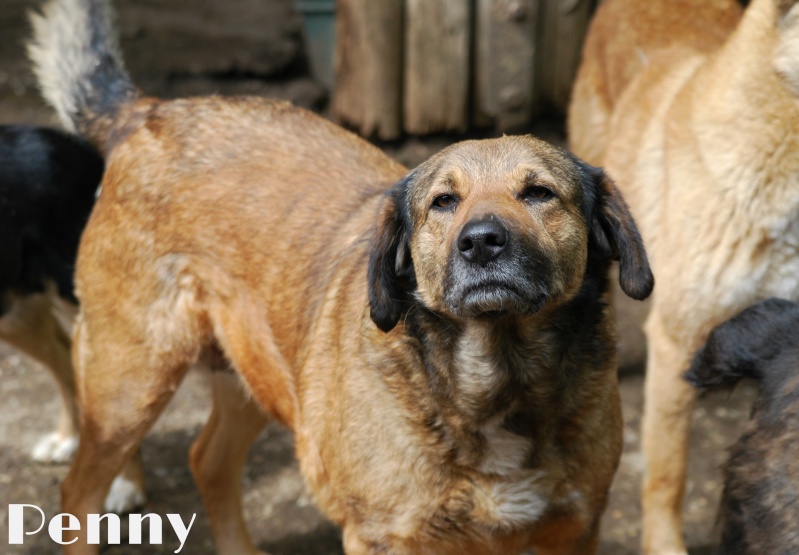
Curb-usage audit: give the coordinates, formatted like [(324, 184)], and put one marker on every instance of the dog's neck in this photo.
[(505, 379)]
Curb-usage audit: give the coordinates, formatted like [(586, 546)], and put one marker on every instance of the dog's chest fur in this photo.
[(481, 380), (502, 394)]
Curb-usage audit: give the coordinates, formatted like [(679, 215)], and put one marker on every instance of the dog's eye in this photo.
[(536, 193), (445, 202)]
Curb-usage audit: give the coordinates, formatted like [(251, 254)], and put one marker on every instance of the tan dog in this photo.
[(442, 352), (694, 110)]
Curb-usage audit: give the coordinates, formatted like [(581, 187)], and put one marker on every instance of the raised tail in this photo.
[(77, 61), (743, 346)]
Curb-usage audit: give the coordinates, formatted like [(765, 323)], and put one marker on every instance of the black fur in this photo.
[(613, 231), (109, 85), (760, 506), (746, 346), (48, 182), (390, 266)]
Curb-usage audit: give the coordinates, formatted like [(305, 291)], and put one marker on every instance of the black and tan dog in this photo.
[(48, 181), (441, 350), (760, 504), (693, 107)]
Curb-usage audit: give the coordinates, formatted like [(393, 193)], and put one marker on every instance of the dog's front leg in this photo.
[(668, 407)]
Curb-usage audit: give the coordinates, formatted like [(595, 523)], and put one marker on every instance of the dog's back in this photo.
[(761, 495), (629, 37), (233, 160)]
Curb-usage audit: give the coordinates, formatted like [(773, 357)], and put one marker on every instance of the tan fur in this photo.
[(265, 259), (693, 109), (40, 325), (437, 340)]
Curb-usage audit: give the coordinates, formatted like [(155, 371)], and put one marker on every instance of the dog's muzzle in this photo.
[(491, 273)]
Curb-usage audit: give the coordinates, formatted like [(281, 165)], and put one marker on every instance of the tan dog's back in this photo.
[(295, 183), (628, 37)]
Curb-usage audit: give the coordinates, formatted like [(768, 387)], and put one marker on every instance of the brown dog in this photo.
[(694, 110), (442, 352)]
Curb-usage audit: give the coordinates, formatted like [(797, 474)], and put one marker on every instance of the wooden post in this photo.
[(505, 40), (564, 24), (437, 76), (368, 90)]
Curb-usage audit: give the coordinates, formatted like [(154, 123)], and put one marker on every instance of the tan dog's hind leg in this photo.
[(668, 408), (31, 326), (218, 457), (123, 385)]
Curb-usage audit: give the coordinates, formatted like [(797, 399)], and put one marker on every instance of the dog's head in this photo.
[(500, 226)]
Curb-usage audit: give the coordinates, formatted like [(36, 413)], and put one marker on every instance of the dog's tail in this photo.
[(744, 346), (77, 61)]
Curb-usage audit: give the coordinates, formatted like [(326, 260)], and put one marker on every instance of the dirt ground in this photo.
[(281, 516)]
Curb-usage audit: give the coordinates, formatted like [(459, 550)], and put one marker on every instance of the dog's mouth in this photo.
[(496, 298)]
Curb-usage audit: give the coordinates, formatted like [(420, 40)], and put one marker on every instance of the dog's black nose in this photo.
[(481, 241)]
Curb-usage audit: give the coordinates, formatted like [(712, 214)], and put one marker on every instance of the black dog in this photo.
[(760, 506), (48, 183)]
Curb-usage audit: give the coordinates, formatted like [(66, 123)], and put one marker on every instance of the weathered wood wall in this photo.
[(505, 62), (463, 63), (167, 40), (437, 42), (369, 69)]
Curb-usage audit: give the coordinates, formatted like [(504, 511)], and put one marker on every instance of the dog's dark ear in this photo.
[(390, 265), (614, 233)]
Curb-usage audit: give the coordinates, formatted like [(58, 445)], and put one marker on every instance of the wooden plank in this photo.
[(564, 24), (368, 65), (437, 61), (505, 40), (214, 36)]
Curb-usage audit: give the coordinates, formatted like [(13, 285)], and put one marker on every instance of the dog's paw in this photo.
[(55, 448), (124, 496)]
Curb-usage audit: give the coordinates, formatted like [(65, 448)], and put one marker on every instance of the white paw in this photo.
[(124, 496), (55, 448)]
